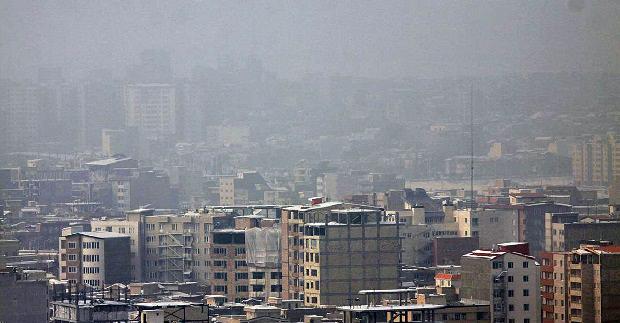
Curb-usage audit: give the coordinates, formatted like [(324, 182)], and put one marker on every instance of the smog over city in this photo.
[(315, 161)]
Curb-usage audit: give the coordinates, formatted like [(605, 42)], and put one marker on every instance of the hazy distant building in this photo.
[(136, 187), (101, 107), (48, 191), (114, 141), (20, 114), (245, 188), (151, 109), (596, 160)]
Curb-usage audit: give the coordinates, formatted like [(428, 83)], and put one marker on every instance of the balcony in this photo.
[(547, 295), (546, 282)]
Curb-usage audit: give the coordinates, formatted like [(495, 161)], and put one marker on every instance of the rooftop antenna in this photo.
[(471, 147)]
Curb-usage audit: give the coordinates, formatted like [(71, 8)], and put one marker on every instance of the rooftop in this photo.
[(101, 234), (107, 162), (490, 254)]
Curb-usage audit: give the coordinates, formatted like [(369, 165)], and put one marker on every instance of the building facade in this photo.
[(509, 280), (95, 258)]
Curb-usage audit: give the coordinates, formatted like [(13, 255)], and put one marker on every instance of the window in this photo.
[(526, 292), (258, 275), (241, 289), (276, 288), (219, 251), (72, 257), (526, 320), (510, 264), (498, 264), (510, 279), (526, 307), (223, 276), (240, 251), (511, 293), (511, 307), (526, 264), (72, 269), (240, 263), (526, 278), (276, 275), (72, 245), (241, 276), (258, 288)]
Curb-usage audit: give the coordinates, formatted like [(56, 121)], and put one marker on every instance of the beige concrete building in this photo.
[(94, 258), (510, 281), (491, 226), (245, 259), (229, 266), (348, 252), (554, 225), (594, 280), (332, 250), (555, 286), (164, 247), (596, 160), (292, 236)]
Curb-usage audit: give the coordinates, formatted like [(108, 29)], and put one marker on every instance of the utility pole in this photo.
[(471, 147)]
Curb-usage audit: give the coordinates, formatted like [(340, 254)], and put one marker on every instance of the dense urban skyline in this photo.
[(310, 161)]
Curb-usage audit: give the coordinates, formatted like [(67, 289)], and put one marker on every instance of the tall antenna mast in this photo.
[(471, 147)]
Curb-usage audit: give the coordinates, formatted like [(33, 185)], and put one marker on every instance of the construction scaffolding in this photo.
[(172, 253)]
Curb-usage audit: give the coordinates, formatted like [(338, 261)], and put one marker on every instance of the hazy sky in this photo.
[(424, 39)]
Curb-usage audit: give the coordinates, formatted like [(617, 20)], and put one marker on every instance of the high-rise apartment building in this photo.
[(95, 258), (244, 257), (554, 281), (331, 251), (164, 248), (151, 109), (508, 278), (593, 284), (596, 160)]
